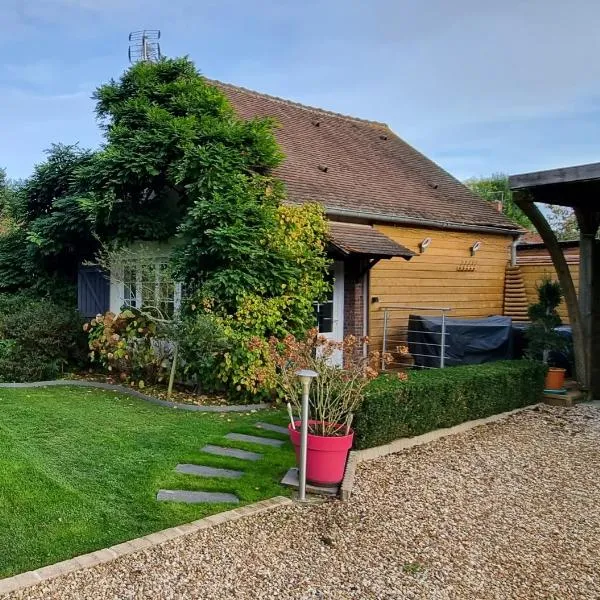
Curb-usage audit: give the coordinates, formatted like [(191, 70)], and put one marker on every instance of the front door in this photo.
[(330, 313)]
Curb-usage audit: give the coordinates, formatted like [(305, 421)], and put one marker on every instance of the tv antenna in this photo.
[(144, 46)]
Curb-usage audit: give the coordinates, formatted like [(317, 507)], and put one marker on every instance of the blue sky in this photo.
[(478, 86)]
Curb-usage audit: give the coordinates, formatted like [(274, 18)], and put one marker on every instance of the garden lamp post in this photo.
[(306, 376)]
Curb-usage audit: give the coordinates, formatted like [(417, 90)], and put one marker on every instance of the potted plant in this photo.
[(335, 396), (542, 337)]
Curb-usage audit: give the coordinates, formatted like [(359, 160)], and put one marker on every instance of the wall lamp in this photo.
[(475, 247), (425, 244)]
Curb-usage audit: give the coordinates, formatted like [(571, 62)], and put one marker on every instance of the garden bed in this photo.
[(181, 394)]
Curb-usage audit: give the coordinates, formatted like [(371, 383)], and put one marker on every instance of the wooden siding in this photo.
[(536, 266), (434, 278)]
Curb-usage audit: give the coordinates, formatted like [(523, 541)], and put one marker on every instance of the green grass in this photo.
[(79, 470)]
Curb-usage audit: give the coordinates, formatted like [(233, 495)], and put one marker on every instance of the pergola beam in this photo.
[(578, 174)]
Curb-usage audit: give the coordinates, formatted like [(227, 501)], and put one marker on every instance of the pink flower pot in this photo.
[(325, 457)]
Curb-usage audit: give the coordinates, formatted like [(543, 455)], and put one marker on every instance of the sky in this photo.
[(479, 86)]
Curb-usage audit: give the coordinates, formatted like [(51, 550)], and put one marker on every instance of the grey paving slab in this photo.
[(204, 471), (196, 497), (254, 439), (269, 427), (231, 452), (291, 479)]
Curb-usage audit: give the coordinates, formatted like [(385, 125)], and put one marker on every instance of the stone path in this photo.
[(204, 471), (275, 428), (254, 439), (231, 452), (197, 497)]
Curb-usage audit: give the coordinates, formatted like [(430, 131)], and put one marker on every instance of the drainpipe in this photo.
[(513, 251), (365, 295)]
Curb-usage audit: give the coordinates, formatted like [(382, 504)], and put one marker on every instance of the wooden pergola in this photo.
[(579, 188)]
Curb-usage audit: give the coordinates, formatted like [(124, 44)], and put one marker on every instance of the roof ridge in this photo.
[(287, 102)]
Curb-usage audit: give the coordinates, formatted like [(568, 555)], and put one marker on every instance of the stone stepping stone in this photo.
[(196, 497), (254, 439), (203, 471), (231, 452), (275, 428)]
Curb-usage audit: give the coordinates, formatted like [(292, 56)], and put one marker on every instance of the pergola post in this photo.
[(595, 324), (588, 227), (578, 188), (527, 205)]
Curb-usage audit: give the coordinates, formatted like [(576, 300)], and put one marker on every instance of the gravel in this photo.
[(506, 510)]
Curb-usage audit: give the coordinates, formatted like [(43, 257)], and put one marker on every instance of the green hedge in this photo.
[(435, 398)]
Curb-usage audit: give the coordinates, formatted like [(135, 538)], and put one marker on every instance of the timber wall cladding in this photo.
[(536, 265), (445, 275), (534, 274)]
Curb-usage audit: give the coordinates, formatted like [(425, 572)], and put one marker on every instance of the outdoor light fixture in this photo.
[(475, 247), (424, 245), (305, 376)]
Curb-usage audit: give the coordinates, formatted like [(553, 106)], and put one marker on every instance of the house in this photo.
[(404, 232)]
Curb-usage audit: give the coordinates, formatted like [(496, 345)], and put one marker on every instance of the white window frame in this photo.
[(117, 283)]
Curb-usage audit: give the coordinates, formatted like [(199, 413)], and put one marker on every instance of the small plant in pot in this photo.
[(334, 397), (542, 337)]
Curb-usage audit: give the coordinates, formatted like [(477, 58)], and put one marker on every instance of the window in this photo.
[(324, 310), (148, 284)]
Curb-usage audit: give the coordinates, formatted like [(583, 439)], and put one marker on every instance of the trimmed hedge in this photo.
[(436, 398)]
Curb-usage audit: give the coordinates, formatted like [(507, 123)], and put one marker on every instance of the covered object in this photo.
[(467, 341)]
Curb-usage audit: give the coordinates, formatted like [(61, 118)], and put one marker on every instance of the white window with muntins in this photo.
[(330, 312), (146, 283)]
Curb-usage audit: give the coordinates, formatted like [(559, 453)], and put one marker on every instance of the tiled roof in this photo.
[(531, 237), (352, 238), (352, 165)]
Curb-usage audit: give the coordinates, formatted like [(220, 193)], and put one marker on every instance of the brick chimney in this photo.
[(498, 204)]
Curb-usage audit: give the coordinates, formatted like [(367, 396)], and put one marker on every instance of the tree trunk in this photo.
[(566, 283)]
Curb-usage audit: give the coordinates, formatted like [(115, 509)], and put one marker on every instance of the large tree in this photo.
[(178, 163), (563, 222), (496, 189)]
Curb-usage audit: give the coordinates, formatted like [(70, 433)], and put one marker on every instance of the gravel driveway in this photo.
[(507, 510)]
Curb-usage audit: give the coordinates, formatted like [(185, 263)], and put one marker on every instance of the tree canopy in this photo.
[(496, 189), (176, 163)]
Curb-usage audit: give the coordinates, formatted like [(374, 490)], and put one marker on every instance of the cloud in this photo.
[(481, 86)]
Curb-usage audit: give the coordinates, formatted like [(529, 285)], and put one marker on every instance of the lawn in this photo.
[(79, 470)]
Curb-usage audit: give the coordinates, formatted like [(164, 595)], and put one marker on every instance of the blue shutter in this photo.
[(93, 291)]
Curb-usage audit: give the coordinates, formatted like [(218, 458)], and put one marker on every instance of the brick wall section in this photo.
[(353, 298)]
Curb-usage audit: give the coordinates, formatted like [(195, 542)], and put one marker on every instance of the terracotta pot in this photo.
[(555, 379), (325, 457)]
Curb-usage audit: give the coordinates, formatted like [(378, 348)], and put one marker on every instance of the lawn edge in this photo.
[(98, 557), (112, 387), (358, 456)]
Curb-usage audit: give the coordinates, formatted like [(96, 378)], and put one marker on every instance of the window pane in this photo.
[(325, 317), (130, 285), (148, 284), (324, 310)]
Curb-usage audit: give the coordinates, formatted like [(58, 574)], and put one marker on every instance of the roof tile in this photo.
[(352, 238), (362, 166)]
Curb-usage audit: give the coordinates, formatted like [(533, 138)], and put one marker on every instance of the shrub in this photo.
[(38, 338), (127, 345), (437, 398), (542, 336), (338, 392)]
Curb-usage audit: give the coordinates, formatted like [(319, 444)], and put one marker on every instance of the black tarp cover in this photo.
[(468, 341)]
